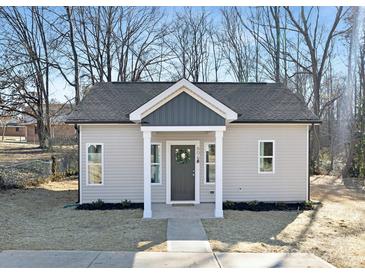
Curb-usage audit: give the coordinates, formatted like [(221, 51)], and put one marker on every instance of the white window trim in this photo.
[(259, 157), (160, 171), (205, 163), (87, 164)]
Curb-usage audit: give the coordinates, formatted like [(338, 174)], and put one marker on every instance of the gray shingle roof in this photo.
[(254, 102)]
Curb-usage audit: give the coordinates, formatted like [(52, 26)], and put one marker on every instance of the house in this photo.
[(183, 142), (11, 127), (59, 129)]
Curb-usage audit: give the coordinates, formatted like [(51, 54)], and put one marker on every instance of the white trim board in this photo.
[(183, 128), (106, 124), (197, 171), (183, 86), (271, 124)]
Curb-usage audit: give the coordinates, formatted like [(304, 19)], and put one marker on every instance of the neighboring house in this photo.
[(13, 128), (183, 142), (59, 129)]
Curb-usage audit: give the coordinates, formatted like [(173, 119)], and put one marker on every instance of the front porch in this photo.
[(183, 211), (183, 108), (182, 190)]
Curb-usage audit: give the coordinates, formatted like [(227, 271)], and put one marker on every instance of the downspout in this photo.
[(78, 162), (309, 161)]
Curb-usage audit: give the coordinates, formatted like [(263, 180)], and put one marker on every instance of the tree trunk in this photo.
[(4, 131), (43, 136), (74, 55)]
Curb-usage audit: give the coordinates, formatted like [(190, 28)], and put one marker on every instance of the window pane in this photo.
[(94, 174), (266, 149), (210, 154), (155, 174), (266, 165), (94, 154), (210, 173), (94, 149), (155, 154), (95, 158)]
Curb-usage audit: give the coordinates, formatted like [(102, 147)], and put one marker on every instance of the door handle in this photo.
[(193, 172)]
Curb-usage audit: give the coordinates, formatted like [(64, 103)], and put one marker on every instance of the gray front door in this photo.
[(182, 173)]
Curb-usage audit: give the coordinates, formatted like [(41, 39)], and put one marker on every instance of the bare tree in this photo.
[(265, 26), (235, 46), (318, 48), (189, 43), (26, 65)]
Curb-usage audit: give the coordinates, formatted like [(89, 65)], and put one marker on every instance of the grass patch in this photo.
[(263, 206), (100, 205)]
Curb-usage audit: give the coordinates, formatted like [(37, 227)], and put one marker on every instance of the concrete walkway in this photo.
[(84, 259), (186, 235)]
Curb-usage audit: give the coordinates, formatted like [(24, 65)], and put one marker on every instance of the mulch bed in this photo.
[(109, 206), (263, 206)]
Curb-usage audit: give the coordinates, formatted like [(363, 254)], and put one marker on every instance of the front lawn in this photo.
[(334, 230), (35, 218)]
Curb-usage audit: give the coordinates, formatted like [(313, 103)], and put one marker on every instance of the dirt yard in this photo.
[(13, 152), (35, 218), (335, 230)]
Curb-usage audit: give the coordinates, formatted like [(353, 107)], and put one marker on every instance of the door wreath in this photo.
[(182, 156)]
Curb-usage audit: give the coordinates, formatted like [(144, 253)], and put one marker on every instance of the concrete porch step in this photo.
[(183, 211)]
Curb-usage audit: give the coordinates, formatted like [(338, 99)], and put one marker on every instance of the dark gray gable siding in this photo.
[(183, 110)]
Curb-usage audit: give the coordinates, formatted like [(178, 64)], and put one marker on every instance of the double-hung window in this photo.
[(209, 165), (266, 156), (95, 164), (155, 164)]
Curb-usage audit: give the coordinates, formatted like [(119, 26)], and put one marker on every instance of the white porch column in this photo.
[(147, 212), (218, 174)]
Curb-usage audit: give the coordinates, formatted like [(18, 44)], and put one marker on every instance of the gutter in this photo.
[(78, 162), (234, 122)]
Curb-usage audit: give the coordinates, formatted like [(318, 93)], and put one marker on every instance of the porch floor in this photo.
[(183, 211)]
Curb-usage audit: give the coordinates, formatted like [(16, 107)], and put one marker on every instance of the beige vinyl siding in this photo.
[(123, 163), (241, 180)]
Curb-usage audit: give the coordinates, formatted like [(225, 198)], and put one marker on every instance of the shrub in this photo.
[(126, 203), (252, 204), (98, 204), (308, 205), (229, 205)]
